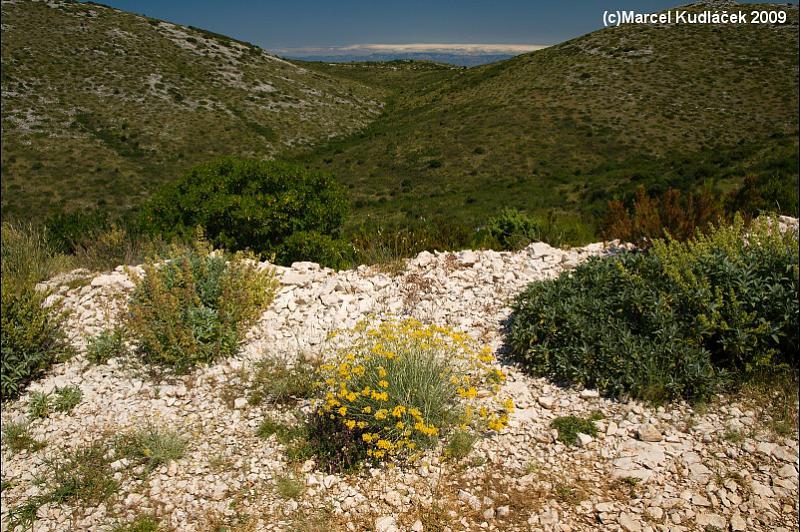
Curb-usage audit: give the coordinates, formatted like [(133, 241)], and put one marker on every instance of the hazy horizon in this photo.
[(315, 24), (422, 47)]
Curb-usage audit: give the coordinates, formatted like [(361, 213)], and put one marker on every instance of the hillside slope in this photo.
[(571, 125), (100, 104)]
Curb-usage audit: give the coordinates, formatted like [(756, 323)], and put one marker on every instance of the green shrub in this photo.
[(249, 205), (766, 193), (33, 337), (66, 231), (316, 247), (513, 229), (677, 321), (397, 388), (568, 428), (106, 345), (559, 229), (195, 307)]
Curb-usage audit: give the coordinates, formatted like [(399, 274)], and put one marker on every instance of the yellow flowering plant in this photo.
[(393, 389)]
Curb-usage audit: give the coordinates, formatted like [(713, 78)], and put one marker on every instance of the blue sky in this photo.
[(316, 23)]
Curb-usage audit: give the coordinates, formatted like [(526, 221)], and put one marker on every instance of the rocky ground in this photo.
[(668, 468)]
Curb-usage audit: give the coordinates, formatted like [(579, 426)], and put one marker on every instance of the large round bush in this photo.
[(677, 321), (249, 205)]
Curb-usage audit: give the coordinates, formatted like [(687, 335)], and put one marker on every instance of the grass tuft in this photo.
[(81, 477), (275, 381), (17, 437), (151, 447), (66, 398), (568, 428), (289, 487)]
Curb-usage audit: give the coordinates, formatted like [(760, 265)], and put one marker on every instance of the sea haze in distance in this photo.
[(454, 54)]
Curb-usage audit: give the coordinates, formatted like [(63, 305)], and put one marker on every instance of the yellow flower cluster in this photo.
[(400, 384)]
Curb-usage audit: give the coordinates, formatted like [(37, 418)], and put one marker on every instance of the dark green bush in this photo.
[(248, 205), (316, 247), (677, 321), (66, 231), (195, 307), (766, 193), (569, 427), (513, 229), (33, 338)]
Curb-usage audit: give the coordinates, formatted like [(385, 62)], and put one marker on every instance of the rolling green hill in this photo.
[(103, 105), (570, 126)]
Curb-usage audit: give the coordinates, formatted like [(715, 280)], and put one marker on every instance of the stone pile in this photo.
[(647, 469)]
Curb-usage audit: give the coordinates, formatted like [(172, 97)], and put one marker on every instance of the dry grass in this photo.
[(774, 398), (414, 287)]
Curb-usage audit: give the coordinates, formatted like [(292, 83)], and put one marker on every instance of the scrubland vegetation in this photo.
[(430, 151), (32, 335), (682, 320), (673, 320), (706, 303), (284, 213), (195, 307), (192, 306)]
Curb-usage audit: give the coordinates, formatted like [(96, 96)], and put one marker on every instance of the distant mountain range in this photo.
[(450, 59), (453, 54)]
